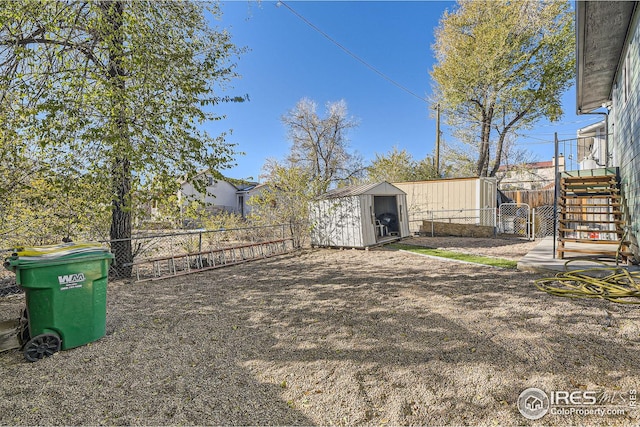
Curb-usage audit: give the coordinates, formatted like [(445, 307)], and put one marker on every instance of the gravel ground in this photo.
[(501, 248), (333, 337)]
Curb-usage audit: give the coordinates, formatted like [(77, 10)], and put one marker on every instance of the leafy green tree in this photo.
[(47, 207), (116, 90), (502, 66), (319, 145), (464, 159), (399, 166)]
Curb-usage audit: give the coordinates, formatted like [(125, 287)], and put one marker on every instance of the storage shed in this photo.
[(446, 198), (359, 216)]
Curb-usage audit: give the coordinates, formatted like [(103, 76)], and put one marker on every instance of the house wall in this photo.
[(592, 141), (220, 195), (338, 222), (624, 124), (533, 179), (531, 176), (425, 197)]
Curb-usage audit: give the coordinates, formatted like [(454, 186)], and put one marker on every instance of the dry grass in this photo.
[(330, 337)]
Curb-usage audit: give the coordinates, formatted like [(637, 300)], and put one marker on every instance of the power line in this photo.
[(353, 55)]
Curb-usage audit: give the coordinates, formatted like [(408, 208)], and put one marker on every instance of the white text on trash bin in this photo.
[(71, 281)]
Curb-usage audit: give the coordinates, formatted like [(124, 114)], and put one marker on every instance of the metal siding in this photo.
[(624, 122), (479, 187), (424, 197), (336, 222), (439, 195)]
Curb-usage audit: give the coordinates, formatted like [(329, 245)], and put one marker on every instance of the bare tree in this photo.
[(319, 144)]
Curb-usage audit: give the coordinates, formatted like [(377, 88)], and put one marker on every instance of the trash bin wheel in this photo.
[(40, 346)]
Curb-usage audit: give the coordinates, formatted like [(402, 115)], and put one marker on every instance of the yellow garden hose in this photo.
[(611, 283)]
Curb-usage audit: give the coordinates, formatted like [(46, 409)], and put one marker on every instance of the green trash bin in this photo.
[(66, 294)]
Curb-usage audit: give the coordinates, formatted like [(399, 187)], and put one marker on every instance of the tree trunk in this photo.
[(485, 140), (503, 134), (121, 218), (120, 232)]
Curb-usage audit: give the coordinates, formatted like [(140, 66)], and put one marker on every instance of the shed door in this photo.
[(386, 212)]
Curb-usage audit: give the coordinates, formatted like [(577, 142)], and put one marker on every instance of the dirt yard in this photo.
[(334, 337)]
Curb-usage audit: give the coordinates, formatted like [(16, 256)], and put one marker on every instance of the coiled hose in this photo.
[(614, 284)]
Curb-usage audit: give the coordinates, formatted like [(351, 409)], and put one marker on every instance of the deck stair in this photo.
[(590, 214)]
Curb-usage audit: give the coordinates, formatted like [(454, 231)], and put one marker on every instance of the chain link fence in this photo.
[(543, 221), (7, 279), (511, 219), (458, 222), (174, 243), (515, 219), (147, 245)]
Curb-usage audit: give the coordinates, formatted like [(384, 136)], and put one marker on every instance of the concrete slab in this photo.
[(542, 259)]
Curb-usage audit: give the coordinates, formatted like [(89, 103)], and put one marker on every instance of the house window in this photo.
[(210, 181)]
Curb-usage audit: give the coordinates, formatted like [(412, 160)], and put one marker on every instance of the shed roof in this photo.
[(379, 189), (601, 30)]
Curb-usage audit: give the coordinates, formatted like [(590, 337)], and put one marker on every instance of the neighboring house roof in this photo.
[(258, 186), (534, 165), (602, 28), (379, 188), (591, 129), (537, 165), (245, 186)]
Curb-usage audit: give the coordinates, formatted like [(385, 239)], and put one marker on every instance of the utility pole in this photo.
[(437, 159)]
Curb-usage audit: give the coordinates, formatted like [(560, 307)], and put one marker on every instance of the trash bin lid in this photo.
[(41, 256), (61, 250)]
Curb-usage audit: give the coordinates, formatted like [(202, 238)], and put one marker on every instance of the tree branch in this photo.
[(63, 43)]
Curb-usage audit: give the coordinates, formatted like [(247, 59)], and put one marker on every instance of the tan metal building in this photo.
[(473, 199)]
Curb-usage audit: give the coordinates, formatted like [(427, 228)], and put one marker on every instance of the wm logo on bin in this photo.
[(68, 279)]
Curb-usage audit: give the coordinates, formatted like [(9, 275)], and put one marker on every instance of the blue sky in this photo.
[(288, 60)]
